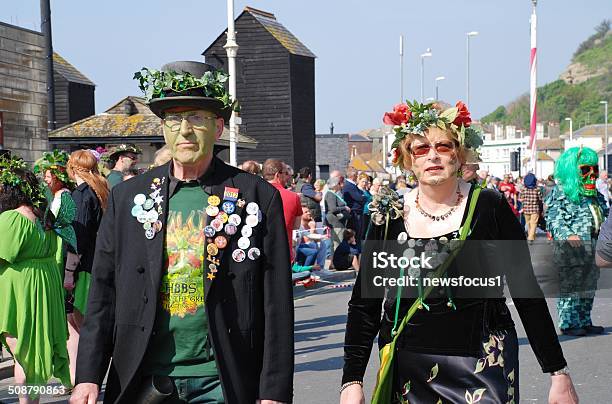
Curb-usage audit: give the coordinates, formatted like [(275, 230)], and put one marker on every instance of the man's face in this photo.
[(128, 160), (306, 216), (191, 134)]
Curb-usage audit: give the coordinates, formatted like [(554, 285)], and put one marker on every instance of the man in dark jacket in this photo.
[(191, 283), (355, 200), (308, 195)]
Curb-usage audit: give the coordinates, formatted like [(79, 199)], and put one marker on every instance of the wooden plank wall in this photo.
[(303, 111), (263, 87), (81, 102), (62, 100)]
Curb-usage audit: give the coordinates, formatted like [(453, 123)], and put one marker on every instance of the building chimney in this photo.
[(331, 128)]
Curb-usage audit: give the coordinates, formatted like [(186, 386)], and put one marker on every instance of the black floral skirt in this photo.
[(439, 379)]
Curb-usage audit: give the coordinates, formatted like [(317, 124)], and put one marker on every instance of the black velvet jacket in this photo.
[(443, 330)]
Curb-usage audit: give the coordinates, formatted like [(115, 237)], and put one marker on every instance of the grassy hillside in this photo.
[(560, 99)]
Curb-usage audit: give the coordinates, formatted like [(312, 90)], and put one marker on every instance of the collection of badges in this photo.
[(148, 210), (225, 223)]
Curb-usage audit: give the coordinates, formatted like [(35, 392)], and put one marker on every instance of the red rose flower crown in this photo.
[(416, 118)]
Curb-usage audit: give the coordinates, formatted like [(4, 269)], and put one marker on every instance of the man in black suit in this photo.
[(355, 200), (191, 290)]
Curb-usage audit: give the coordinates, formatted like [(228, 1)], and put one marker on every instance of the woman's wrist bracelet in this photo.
[(345, 385)]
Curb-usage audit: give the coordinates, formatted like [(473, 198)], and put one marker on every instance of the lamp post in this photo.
[(401, 55), (231, 48), (605, 104), (571, 139), (439, 78), (427, 54), (468, 35)]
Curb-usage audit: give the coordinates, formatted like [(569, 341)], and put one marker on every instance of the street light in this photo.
[(467, 82), (571, 139), (427, 54), (439, 78), (605, 104)]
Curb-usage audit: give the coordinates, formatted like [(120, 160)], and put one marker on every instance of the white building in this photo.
[(501, 140)]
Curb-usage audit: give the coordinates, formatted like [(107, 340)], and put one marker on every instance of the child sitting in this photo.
[(347, 254)]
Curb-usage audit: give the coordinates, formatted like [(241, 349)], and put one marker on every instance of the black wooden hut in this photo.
[(275, 86), (74, 93)]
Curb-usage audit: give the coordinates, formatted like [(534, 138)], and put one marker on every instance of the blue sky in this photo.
[(356, 43)]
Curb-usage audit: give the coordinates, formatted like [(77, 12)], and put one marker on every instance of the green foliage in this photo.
[(155, 84), (600, 31), (558, 100)]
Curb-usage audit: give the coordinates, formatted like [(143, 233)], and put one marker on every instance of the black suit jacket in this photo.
[(249, 304), (353, 197)]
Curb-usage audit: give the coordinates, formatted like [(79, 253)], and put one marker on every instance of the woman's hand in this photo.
[(68, 280), (353, 394), (562, 390)]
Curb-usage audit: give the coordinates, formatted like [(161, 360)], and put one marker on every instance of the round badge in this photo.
[(148, 204), (214, 200), (252, 208), (142, 216), (240, 203), (254, 253), (230, 229), (246, 231), (244, 243), (136, 210), (212, 210), (213, 268), (235, 219), (402, 237), (152, 216), (147, 225), (222, 216), (259, 216), (158, 226), (238, 255), (212, 249), (140, 199), (220, 242), (251, 220), (209, 231), (149, 234), (217, 224), (229, 207)]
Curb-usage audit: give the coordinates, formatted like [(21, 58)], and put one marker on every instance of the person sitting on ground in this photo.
[(347, 254)]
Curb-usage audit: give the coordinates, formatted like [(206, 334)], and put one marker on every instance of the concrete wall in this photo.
[(23, 95)]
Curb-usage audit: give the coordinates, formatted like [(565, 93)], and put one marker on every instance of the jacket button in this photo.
[(146, 299), (231, 275), (140, 270)]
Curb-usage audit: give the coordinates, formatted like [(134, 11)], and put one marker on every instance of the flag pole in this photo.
[(533, 90)]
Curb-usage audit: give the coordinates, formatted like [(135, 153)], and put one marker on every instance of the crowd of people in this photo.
[(176, 280)]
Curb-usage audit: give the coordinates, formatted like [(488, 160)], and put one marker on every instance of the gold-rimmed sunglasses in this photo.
[(173, 121)]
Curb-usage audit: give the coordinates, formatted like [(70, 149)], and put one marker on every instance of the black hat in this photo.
[(194, 97)]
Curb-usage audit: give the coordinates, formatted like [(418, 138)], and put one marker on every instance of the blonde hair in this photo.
[(162, 156), (405, 159), (84, 164)]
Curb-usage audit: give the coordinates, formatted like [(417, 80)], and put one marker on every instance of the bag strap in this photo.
[(464, 231)]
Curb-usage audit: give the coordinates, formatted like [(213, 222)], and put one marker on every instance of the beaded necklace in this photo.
[(443, 216)]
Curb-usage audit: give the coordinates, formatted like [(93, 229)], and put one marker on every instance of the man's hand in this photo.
[(353, 394), (574, 241), (85, 393), (562, 390)]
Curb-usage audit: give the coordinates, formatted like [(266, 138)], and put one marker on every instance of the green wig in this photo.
[(567, 172)]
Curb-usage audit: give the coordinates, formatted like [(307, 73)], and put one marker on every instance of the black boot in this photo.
[(574, 332), (594, 329)]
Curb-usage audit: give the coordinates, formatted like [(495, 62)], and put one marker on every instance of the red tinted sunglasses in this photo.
[(444, 148)]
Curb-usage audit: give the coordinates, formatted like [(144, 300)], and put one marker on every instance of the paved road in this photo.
[(319, 333)]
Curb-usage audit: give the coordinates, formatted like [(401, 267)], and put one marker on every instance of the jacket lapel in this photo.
[(212, 263), (155, 246)]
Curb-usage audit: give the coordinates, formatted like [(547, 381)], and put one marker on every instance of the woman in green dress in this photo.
[(32, 314)]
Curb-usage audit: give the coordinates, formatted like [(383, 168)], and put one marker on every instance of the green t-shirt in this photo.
[(180, 344), (114, 177)]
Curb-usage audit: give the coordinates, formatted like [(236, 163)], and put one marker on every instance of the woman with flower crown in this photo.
[(439, 346), (32, 317)]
